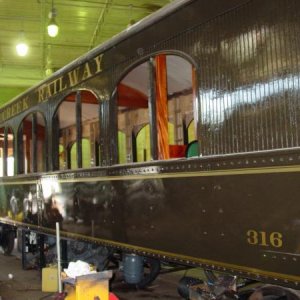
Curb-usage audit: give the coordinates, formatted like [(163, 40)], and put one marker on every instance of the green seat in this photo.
[(192, 149)]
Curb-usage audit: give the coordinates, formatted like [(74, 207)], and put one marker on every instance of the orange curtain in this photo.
[(162, 107)]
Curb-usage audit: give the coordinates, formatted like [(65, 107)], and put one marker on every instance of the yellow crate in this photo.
[(89, 287)]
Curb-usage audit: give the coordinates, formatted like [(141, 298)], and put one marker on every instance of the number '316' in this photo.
[(262, 238)]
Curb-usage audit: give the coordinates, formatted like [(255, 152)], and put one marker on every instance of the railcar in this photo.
[(176, 141)]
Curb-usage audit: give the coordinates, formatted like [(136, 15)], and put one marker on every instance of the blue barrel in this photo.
[(133, 268)]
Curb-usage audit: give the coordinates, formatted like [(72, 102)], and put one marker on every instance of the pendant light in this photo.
[(52, 27), (22, 47)]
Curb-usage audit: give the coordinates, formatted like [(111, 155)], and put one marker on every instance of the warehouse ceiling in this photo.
[(82, 26)]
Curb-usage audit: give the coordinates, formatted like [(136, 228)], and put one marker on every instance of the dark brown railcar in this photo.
[(232, 207)]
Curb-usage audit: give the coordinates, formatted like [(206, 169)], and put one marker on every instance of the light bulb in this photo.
[(22, 49), (52, 28)]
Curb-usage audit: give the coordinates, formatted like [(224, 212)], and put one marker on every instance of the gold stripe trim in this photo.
[(19, 182), (145, 251), (230, 172)]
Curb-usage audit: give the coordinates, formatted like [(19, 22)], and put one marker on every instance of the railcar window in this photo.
[(143, 144), (73, 156), (90, 129), (178, 99), (122, 147), (2, 137), (78, 121), (191, 132), (32, 144), (40, 131), (66, 119), (87, 160), (6, 152), (61, 156), (27, 145), (172, 82), (86, 154), (10, 153), (133, 113)]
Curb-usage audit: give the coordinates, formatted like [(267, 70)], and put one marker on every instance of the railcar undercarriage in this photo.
[(139, 271), (229, 287)]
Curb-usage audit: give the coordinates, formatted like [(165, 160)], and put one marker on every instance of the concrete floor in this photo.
[(26, 284)]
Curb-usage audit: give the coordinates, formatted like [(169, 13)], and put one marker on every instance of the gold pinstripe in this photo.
[(144, 251), (229, 172)]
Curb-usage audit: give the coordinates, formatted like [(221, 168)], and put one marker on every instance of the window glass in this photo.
[(40, 142), (33, 143), (173, 82), (62, 157), (27, 149), (191, 132), (122, 147), (10, 153), (78, 125), (1, 151), (73, 156), (66, 119), (143, 144), (86, 154), (180, 102), (132, 112), (90, 129)]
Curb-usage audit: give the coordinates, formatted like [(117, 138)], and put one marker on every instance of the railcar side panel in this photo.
[(204, 217)]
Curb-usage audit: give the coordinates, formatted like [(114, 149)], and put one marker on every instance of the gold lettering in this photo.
[(265, 239), (19, 104), (86, 72), (73, 77), (61, 87), (252, 237), (55, 86), (98, 60), (41, 93), (48, 91), (13, 109), (276, 239), (8, 112), (25, 103)]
